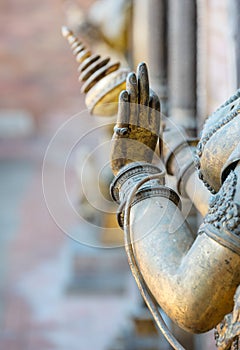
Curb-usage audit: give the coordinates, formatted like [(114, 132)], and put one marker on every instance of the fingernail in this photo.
[(124, 95), (142, 66), (132, 78)]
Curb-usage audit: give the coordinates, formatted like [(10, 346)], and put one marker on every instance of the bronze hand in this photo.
[(138, 122)]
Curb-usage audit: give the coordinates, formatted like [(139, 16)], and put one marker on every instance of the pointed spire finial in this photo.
[(102, 80)]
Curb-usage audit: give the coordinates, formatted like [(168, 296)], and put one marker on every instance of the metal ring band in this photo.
[(182, 177), (223, 237), (178, 148), (159, 191), (129, 171)]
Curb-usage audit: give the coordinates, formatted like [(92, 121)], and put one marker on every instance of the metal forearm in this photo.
[(194, 280), (178, 152)]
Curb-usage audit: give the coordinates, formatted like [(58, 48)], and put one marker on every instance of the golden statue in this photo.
[(192, 276)]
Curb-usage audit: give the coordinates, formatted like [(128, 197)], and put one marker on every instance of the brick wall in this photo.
[(37, 70)]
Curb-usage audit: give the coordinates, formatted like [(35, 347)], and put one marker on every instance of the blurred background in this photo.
[(65, 282)]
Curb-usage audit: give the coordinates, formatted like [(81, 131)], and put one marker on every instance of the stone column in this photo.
[(150, 43), (182, 85), (237, 39), (139, 32), (157, 49), (182, 62)]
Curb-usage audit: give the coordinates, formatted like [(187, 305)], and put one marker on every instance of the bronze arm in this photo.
[(193, 280), (178, 152)]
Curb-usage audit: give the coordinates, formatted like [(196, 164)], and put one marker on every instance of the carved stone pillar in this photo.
[(150, 43), (139, 32), (182, 62), (182, 84), (237, 39), (236, 344), (157, 49)]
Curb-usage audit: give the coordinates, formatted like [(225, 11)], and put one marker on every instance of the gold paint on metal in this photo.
[(99, 73), (102, 99), (102, 80)]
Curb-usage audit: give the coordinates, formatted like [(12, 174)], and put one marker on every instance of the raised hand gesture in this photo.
[(138, 122)]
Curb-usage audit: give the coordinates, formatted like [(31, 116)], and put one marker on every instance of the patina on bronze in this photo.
[(228, 331), (192, 278), (178, 153), (220, 138), (138, 124)]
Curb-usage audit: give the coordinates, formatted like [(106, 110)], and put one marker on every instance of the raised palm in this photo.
[(138, 122)]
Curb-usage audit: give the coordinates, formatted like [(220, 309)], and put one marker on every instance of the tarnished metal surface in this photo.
[(228, 331), (138, 124), (220, 136), (192, 279), (178, 152)]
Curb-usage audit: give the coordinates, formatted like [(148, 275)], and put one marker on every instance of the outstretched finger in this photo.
[(143, 84), (154, 113), (154, 101), (143, 95), (132, 88), (123, 114)]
